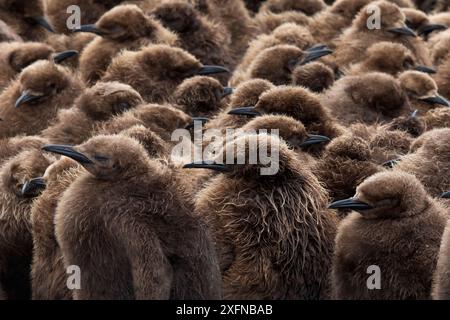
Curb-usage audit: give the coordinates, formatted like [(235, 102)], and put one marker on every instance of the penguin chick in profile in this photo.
[(273, 233), (422, 91), (352, 45), (32, 100), (156, 70), (315, 76), (201, 96), (197, 34), (370, 98), (123, 27), (420, 23), (95, 105), (397, 227), (429, 160), (160, 249), (308, 7), (73, 42), (277, 63), (16, 242), (26, 18)]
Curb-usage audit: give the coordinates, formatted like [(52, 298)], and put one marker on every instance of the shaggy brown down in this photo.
[(436, 118), (76, 41), (7, 34), (429, 161), (266, 21), (273, 233), (15, 226), (124, 27), (315, 76), (156, 248), (369, 98), (442, 77), (441, 288), (95, 105), (399, 229), (48, 88), (308, 7), (202, 38), (21, 16), (353, 43), (9, 147)]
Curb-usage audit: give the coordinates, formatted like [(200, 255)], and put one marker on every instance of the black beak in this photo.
[(391, 163), (446, 195), (436, 100), (403, 31), (62, 56), (425, 69), (314, 139), (195, 120), (429, 28), (67, 151), (206, 70), (351, 203), (245, 111), (207, 165), (33, 187), (26, 97), (316, 54), (91, 28), (227, 91), (317, 47), (44, 23)]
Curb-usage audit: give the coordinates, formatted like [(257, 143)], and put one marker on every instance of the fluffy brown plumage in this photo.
[(441, 288), (315, 76)]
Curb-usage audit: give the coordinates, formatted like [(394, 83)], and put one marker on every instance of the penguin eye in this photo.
[(122, 106), (101, 158), (408, 63)]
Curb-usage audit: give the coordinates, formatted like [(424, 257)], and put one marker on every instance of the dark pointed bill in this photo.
[(210, 165), (26, 97), (33, 187), (90, 28), (62, 56), (245, 111), (429, 28), (227, 91), (391, 163), (67, 151), (436, 100), (314, 139), (202, 120), (351, 203), (44, 23), (317, 47), (425, 69), (316, 54), (403, 31), (446, 195), (207, 70)]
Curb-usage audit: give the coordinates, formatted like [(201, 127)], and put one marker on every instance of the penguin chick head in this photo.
[(201, 95), (348, 8), (24, 54), (293, 132), (349, 146), (393, 20), (293, 34), (22, 168), (178, 16), (123, 23), (391, 194), (248, 92), (277, 63), (164, 117), (32, 11), (308, 7), (107, 157), (418, 21), (421, 87), (107, 99), (156, 147), (435, 143), (389, 57), (315, 76), (41, 82)]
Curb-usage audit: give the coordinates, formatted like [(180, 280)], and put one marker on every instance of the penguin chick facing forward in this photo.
[(397, 228), (156, 247), (273, 233), (156, 70), (32, 100), (95, 105), (123, 27)]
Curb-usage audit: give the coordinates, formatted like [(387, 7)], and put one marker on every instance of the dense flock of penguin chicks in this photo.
[(87, 178)]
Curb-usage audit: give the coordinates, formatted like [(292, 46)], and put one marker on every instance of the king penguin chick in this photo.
[(123, 27), (397, 228), (197, 35), (201, 96), (369, 98), (420, 23), (352, 45), (16, 242), (31, 102), (26, 18), (156, 70), (95, 105), (273, 233), (315, 76), (169, 254)]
